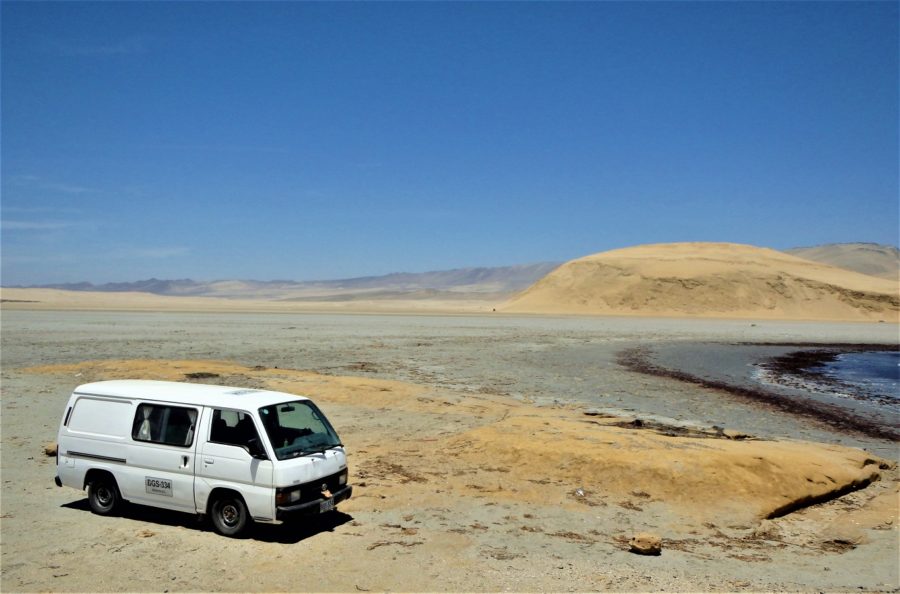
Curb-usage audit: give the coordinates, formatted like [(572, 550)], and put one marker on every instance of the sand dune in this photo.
[(711, 280), (867, 258)]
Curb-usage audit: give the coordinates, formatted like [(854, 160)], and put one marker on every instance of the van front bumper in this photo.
[(310, 508)]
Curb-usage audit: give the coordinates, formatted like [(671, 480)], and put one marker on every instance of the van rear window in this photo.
[(170, 425)]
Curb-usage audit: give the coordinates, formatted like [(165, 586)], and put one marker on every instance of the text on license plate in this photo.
[(158, 486), (326, 506)]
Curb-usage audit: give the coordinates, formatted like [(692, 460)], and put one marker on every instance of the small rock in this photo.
[(579, 492), (645, 543), (50, 448), (734, 434), (843, 535), (767, 530)]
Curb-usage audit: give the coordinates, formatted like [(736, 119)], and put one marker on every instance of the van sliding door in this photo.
[(162, 455)]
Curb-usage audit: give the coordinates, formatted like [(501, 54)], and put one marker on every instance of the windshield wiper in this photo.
[(322, 449), (315, 450)]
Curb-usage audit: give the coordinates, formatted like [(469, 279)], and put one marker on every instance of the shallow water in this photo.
[(876, 374)]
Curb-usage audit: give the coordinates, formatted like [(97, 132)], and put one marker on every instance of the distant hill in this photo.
[(868, 258), (498, 282), (708, 280)]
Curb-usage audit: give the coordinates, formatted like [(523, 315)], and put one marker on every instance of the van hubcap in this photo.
[(104, 495), (230, 514)]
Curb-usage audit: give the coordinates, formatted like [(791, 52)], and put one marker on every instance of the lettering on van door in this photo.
[(158, 486)]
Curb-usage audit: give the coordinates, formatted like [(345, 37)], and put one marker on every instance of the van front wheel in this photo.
[(229, 515), (103, 496)]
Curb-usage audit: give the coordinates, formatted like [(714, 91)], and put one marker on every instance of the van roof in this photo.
[(185, 393)]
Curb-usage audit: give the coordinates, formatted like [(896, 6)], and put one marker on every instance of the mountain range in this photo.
[(458, 283), (834, 282), (482, 283), (868, 258)]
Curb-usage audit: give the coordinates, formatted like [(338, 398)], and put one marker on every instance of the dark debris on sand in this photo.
[(812, 355)]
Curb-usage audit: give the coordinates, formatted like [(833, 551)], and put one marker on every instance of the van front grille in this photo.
[(312, 490)]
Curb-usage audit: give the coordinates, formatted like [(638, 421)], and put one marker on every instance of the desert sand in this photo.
[(57, 299), (709, 280), (488, 454)]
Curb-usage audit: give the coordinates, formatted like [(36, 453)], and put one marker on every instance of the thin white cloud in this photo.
[(30, 210), (157, 252), (42, 259), (33, 225), (36, 182), (151, 253), (130, 45), (222, 148), (67, 188)]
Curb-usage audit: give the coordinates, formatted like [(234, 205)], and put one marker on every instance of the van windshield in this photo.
[(297, 428)]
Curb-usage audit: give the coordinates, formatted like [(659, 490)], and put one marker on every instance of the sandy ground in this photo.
[(55, 299), (475, 466)]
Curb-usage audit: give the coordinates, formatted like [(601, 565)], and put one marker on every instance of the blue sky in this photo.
[(329, 140)]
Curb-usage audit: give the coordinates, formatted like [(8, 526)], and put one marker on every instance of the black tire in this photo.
[(229, 515), (103, 495)]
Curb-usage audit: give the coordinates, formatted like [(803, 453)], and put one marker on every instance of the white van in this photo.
[(237, 455)]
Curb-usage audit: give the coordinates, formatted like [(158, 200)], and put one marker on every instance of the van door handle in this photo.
[(208, 460)]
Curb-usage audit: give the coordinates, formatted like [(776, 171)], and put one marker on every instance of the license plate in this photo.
[(326, 506), (158, 486)]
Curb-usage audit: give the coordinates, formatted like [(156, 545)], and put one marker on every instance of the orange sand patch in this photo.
[(410, 443)]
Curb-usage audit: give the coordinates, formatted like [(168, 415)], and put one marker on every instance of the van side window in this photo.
[(170, 425), (232, 427)]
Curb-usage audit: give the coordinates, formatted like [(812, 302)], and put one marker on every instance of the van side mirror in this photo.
[(255, 449)]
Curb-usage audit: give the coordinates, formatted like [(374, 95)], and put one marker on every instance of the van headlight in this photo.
[(342, 479), (286, 496)]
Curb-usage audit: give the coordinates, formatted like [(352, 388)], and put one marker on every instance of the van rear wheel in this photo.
[(229, 515), (103, 495)]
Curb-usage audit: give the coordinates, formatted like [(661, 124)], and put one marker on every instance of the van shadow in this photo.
[(290, 532)]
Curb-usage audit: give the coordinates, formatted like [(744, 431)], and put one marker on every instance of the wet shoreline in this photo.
[(808, 368), (802, 362)]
